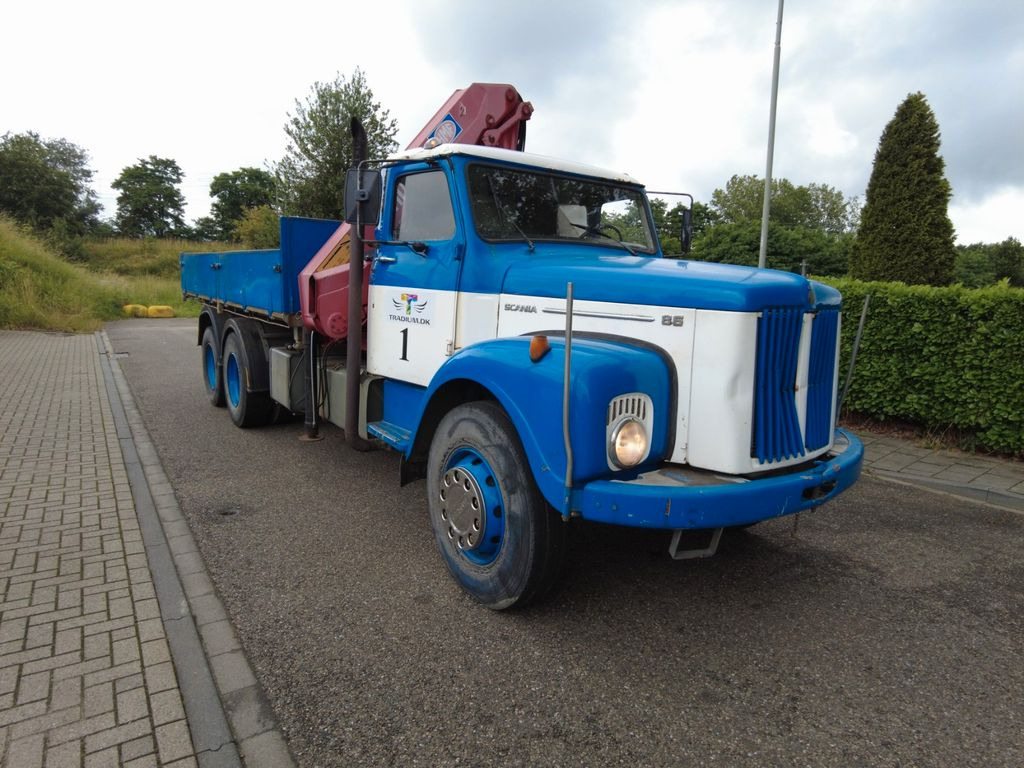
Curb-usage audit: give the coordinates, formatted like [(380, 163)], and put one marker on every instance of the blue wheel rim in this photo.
[(233, 380), (472, 462), (210, 364)]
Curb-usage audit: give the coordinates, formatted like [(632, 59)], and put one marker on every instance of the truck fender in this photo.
[(254, 349), (531, 394), (210, 318)]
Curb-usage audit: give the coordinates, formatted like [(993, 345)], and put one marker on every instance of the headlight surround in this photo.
[(629, 443)]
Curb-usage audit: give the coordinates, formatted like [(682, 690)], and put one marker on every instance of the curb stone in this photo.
[(992, 481), (217, 683), (988, 496)]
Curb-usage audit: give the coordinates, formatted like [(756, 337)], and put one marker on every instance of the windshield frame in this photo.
[(633, 191)]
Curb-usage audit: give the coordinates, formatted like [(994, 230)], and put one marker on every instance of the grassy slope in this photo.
[(38, 289), (141, 258)]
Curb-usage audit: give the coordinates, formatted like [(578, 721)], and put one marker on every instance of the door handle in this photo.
[(384, 260)]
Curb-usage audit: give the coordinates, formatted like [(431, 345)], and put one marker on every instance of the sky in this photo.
[(675, 93)]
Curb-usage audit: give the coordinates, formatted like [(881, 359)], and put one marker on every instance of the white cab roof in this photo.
[(512, 156)]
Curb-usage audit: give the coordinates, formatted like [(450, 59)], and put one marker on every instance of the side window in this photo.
[(423, 208)]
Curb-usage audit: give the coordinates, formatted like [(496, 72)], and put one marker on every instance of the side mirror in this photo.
[(363, 196), (686, 230)]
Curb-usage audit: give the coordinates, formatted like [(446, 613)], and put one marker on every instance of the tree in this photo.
[(905, 232), (311, 176), (981, 264), (45, 181), (668, 223), (972, 267), (1007, 260), (150, 203), (789, 248), (236, 191), (815, 206), (810, 226), (205, 229), (259, 228)]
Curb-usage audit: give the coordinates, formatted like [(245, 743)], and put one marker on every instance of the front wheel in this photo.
[(495, 531)]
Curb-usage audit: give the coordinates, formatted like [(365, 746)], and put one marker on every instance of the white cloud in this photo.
[(822, 134), (991, 219), (675, 92)]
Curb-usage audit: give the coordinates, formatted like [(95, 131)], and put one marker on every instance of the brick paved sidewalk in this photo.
[(86, 676), (985, 478)]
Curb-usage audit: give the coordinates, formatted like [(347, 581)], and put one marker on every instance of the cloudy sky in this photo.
[(674, 92)]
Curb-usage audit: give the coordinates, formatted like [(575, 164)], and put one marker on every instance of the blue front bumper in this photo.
[(678, 497)]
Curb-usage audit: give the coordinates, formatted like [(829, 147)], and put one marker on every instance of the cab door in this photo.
[(415, 277)]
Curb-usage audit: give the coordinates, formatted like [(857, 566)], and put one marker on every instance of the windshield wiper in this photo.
[(597, 231), (505, 216)]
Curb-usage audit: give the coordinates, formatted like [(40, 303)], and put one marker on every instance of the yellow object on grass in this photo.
[(160, 310), (136, 310)]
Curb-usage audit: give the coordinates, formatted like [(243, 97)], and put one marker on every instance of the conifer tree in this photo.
[(905, 232)]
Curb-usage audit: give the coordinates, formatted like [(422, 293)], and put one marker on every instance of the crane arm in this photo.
[(485, 114)]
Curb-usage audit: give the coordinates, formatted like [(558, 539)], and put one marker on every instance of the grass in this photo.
[(139, 258), (40, 290)]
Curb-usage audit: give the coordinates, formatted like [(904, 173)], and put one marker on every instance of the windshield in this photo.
[(513, 204)]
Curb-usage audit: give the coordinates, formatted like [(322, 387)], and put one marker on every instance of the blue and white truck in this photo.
[(529, 354)]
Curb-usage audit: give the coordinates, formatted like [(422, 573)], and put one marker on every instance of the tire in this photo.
[(512, 554), (211, 368), (247, 409)]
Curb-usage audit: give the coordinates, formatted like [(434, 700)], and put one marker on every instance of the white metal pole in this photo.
[(766, 207)]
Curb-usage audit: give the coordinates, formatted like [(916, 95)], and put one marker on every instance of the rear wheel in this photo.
[(247, 409), (212, 368), (496, 533)]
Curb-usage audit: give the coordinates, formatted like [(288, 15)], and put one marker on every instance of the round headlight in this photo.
[(629, 443)]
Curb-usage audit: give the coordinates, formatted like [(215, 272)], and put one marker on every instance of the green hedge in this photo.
[(949, 357)]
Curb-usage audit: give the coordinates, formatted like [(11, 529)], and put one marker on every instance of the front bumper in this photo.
[(675, 496)]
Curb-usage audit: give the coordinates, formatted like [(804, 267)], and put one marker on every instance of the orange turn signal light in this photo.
[(539, 347)]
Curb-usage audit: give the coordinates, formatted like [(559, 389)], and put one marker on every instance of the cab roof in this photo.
[(513, 156)]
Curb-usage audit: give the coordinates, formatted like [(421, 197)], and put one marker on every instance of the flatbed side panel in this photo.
[(252, 279), (200, 273), (264, 282), (301, 239)]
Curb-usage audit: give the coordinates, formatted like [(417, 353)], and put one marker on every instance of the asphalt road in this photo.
[(887, 629)]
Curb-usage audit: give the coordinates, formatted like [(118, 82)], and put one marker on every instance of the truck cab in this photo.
[(533, 355)]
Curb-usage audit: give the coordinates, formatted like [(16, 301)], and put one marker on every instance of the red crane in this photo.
[(486, 114)]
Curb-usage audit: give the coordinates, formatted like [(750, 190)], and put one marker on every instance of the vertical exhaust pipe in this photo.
[(354, 342)]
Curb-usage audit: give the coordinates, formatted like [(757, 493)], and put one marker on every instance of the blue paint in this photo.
[(776, 424), (821, 379), (493, 510), (403, 402), (599, 271), (233, 379), (211, 367), (403, 407), (702, 506), (440, 266), (262, 281), (652, 280), (825, 296), (447, 130), (531, 394)]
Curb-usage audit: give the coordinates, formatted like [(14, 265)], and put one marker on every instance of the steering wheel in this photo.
[(599, 230)]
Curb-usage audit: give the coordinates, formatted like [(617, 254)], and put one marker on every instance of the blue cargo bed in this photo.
[(264, 283)]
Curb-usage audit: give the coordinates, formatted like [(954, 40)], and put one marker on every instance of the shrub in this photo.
[(944, 357), (259, 228)]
